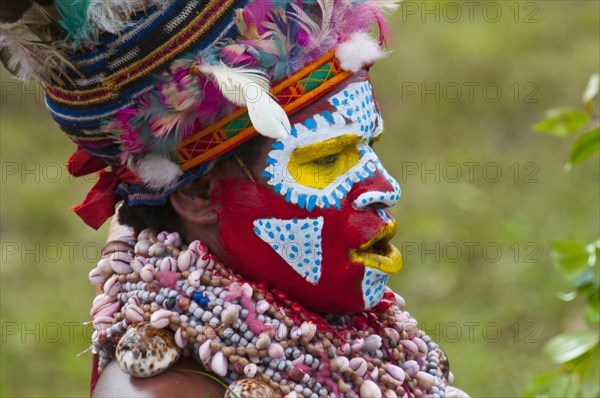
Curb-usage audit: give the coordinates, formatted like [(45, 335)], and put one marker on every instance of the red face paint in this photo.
[(343, 285)]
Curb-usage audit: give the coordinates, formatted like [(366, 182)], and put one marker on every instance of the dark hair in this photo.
[(164, 217)]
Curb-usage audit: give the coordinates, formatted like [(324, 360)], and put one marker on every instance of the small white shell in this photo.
[(276, 351), (161, 319), (112, 286), (295, 333), (104, 267), (390, 394), (147, 273), (425, 380), (369, 389), (262, 306), (410, 346), (168, 264), (141, 247), (309, 330), (281, 332), (102, 322), (184, 260), (344, 349), (134, 313), (96, 277), (250, 370), (359, 366), (396, 373), (173, 238), (137, 264), (205, 352), (194, 279), (411, 368), (399, 301), (230, 314), (157, 249), (180, 340), (358, 344), (263, 341), (119, 262), (372, 343), (342, 363), (421, 346), (219, 364), (247, 290), (101, 301)]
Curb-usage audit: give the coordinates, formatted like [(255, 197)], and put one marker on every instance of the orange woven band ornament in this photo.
[(293, 94)]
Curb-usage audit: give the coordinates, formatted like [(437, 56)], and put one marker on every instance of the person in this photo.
[(252, 247)]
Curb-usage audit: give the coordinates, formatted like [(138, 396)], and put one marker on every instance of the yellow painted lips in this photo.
[(378, 253)]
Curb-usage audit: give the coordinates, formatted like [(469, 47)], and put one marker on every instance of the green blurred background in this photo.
[(483, 197)]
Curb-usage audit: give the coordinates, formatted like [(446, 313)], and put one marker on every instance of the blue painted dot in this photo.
[(310, 123), (335, 101), (315, 269), (257, 231), (318, 262), (368, 292), (288, 226), (346, 93), (292, 255), (278, 228), (268, 225), (291, 237), (349, 112), (307, 236), (294, 249), (307, 251), (276, 247), (271, 235), (260, 222), (306, 261)]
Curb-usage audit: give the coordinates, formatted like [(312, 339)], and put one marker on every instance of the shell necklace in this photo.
[(162, 299)]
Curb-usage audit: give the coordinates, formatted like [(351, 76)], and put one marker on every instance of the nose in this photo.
[(380, 189)]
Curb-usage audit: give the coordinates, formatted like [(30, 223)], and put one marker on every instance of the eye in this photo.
[(327, 161)]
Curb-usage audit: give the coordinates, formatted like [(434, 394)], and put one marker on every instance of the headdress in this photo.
[(152, 92)]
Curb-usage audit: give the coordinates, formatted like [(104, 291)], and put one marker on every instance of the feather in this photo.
[(28, 58), (158, 171), (86, 20), (250, 88)]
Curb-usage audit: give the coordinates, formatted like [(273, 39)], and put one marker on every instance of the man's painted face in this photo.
[(316, 226)]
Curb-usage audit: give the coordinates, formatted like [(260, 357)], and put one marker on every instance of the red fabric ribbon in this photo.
[(99, 203)]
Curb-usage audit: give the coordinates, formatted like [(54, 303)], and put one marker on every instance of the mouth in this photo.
[(378, 252)]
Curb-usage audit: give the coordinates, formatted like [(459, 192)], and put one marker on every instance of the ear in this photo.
[(192, 203)]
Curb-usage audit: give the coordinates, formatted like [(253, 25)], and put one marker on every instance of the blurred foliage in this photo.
[(491, 313), (577, 352)]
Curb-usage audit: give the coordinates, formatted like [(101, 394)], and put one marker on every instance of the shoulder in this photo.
[(175, 382)]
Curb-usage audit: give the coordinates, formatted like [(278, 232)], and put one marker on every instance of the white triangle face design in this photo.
[(297, 241)]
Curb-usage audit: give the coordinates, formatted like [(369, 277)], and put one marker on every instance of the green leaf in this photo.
[(585, 146), (571, 257), (592, 309), (562, 387), (585, 282), (539, 385), (562, 121), (591, 91), (568, 346)]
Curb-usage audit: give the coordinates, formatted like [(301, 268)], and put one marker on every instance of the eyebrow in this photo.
[(324, 148)]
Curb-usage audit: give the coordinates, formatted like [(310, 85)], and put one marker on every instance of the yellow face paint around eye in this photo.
[(305, 168)]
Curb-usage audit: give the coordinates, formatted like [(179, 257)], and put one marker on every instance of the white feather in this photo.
[(158, 171), (114, 16), (250, 88), (358, 51)]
